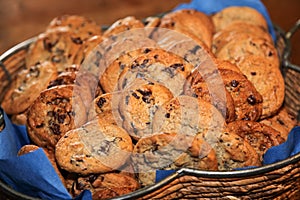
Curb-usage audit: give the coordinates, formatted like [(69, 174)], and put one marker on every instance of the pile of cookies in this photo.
[(110, 107)]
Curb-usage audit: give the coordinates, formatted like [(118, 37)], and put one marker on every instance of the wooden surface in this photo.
[(22, 19)]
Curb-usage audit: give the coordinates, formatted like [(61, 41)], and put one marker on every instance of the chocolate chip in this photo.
[(135, 95), (101, 102), (127, 100), (177, 65), (253, 73), (156, 56), (55, 128), (195, 49), (251, 99), (234, 83), (61, 118), (148, 123), (167, 115), (270, 54), (48, 45), (147, 50), (104, 148), (76, 40)]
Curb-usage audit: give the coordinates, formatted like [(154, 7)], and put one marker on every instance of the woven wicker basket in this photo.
[(276, 181)]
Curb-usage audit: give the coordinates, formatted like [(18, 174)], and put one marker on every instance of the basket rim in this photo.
[(180, 172)]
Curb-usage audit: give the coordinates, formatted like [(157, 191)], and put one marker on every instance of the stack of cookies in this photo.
[(110, 107)]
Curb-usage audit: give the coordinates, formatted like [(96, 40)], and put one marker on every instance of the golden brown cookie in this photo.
[(268, 81), (191, 22), (282, 121), (104, 186), (27, 87), (260, 136), (138, 104), (56, 46), (81, 27), (236, 50), (247, 100), (234, 152), (238, 30), (159, 66), (234, 14), (96, 147), (171, 151), (56, 111)]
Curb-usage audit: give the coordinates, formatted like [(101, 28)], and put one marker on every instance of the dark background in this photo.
[(22, 19)]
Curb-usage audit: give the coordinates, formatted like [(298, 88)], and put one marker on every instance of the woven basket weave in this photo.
[(276, 181)]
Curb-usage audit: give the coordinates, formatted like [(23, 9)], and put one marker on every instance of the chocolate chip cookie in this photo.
[(260, 136), (57, 46), (138, 104), (27, 87), (247, 100), (268, 81), (95, 147), (56, 111)]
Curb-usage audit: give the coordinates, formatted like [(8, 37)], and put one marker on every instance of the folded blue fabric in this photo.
[(213, 6), (31, 174)]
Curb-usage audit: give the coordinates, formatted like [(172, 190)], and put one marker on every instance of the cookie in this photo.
[(282, 121), (268, 81), (170, 151), (30, 148), (109, 57), (159, 66), (105, 186), (260, 136), (81, 27), (138, 104), (96, 147), (247, 100), (234, 14), (56, 111), (188, 115), (57, 46), (106, 106), (122, 25), (234, 152), (236, 50), (193, 23), (238, 30), (27, 87), (212, 91)]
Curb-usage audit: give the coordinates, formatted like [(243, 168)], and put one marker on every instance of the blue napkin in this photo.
[(31, 174), (213, 6)]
